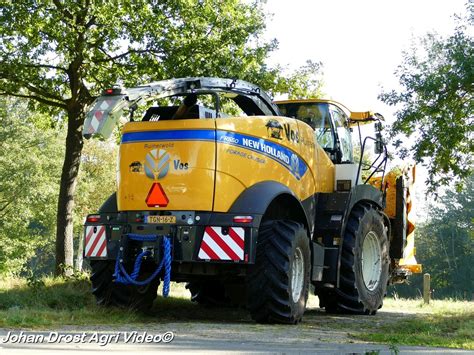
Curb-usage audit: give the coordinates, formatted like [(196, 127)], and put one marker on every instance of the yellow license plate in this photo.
[(161, 219)]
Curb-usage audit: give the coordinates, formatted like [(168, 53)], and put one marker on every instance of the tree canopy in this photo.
[(30, 166), (435, 104), (59, 54)]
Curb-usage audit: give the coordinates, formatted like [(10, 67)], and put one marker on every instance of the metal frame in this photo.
[(172, 87)]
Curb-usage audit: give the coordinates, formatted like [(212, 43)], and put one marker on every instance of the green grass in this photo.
[(54, 303), (444, 323), (58, 302)]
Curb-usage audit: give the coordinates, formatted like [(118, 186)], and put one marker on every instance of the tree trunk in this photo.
[(72, 160)]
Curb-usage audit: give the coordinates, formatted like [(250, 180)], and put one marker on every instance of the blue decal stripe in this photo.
[(284, 156), (172, 135)]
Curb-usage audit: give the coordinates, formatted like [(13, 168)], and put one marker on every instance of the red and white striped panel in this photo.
[(98, 115), (95, 243), (217, 246)]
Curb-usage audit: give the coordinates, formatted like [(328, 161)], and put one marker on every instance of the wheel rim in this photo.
[(297, 275), (371, 261)]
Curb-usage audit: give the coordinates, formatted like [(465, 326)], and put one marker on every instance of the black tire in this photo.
[(270, 296), (110, 205), (109, 293), (356, 295)]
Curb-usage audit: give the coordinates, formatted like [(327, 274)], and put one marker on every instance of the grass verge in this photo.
[(56, 302), (444, 323)]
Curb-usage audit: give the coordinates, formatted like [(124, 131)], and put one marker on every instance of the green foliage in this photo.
[(134, 41), (30, 158), (60, 54), (96, 180), (447, 243), (30, 163), (436, 104), (305, 82)]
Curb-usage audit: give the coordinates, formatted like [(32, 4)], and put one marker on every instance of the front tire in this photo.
[(365, 263), (278, 282), (109, 293)]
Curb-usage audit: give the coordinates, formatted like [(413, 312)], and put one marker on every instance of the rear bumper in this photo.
[(196, 237)]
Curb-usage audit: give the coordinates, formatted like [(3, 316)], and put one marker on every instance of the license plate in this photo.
[(161, 219)]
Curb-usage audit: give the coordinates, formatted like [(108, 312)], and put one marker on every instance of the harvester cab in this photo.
[(247, 201), (333, 125)]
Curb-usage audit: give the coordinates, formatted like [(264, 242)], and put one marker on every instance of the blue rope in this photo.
[(143, 237), (122, 276), (167, 261)]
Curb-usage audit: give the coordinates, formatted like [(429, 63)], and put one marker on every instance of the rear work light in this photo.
[(243, 219), (93, 218)]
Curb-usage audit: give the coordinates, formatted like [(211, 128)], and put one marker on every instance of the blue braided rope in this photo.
[(138, 264), (128, 279), (143, 237), (122, 276), (167, 276)]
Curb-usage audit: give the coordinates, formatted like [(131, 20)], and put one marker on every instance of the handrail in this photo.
[(376, 168)]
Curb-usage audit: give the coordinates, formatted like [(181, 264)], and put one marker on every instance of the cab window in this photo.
[(344, 135), (323, 131)]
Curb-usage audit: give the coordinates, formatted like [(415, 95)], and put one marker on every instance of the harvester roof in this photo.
[(354, 117)]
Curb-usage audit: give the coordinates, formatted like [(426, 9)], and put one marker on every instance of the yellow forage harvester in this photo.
[(249, 202)]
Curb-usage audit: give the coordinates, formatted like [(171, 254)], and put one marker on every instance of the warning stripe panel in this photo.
[(216, 245), (95, 242)]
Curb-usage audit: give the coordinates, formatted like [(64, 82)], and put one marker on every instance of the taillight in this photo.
[(116, 90), (93, 218), (243, 219)]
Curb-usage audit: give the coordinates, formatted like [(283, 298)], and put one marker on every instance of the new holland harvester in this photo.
[(247, 201)]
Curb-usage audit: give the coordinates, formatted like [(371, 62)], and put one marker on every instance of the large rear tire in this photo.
[(365, 263), (278, 282), (109, 293)]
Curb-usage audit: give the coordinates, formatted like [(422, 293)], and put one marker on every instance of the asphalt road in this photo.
[(195, 338)]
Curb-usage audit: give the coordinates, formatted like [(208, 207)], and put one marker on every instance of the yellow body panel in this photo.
[(189, 182), (202, 155), (228, 188), (250, 164)]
